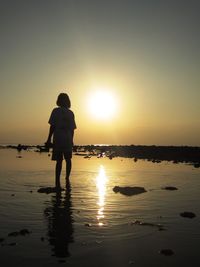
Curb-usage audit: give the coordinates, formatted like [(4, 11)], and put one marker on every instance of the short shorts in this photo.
[(59, 155)]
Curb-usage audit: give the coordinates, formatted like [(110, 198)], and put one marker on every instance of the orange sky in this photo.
[(146, 55)]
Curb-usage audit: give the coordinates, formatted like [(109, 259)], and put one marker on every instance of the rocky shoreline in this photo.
[(156, 154)]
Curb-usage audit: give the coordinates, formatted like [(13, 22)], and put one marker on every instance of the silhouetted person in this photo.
[(60, 223), (62, 125)]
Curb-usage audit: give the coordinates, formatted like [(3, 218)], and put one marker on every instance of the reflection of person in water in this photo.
[(62, 126), (60, 220)]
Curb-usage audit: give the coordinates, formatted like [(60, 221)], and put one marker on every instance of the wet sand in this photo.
[(88, 224)]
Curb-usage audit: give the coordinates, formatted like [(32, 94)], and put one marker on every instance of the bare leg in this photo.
[(58, 172), (68, 168)]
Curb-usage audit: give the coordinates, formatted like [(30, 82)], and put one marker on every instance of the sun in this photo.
[(102, 104)]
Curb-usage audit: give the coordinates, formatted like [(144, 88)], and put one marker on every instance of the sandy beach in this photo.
[(88, 224)]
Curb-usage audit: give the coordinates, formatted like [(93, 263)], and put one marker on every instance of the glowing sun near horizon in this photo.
[(102, 104)]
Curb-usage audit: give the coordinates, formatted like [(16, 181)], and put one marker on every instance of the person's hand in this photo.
[(48, 144)]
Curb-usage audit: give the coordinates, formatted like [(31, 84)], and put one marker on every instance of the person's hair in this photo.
[(63, 100)]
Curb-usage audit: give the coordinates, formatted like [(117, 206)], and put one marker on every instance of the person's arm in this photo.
[(72, 133), (51, 131)]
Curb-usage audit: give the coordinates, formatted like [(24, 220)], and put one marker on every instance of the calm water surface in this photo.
[(90, 225)]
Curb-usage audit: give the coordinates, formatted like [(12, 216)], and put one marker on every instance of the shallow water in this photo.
[(90, 225)]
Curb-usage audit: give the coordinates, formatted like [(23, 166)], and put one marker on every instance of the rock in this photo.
[(13, 234), (171, 188), (166, 252), (88, 224), (24, 232), (197, 165), (159, 226), (49, 190), (188, 214), (98, 241), (129, 191), (87, 157)]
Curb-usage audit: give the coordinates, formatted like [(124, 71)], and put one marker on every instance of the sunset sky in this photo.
[(143, 55)]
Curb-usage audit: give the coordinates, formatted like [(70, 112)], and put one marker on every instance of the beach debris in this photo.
[(129, 191), (166, 252), (22, 232), (188, 214), (171, 188), (138, 222), (49, 190)]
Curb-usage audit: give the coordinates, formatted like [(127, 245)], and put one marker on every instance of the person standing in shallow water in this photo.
[(62, 126)]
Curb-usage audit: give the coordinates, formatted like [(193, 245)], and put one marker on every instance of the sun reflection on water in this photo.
[(101, 181)]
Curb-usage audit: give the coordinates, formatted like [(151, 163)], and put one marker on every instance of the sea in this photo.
[(88, 223)]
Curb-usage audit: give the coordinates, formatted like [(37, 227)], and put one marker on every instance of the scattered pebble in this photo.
[(188, 214), (166, 252), (171, 188), (197, 165), (98, 241), (31, 191), (12, 195), (88, 224), (13, 234), (49, 190), (159, 226), (22, 232), (129, 191)]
